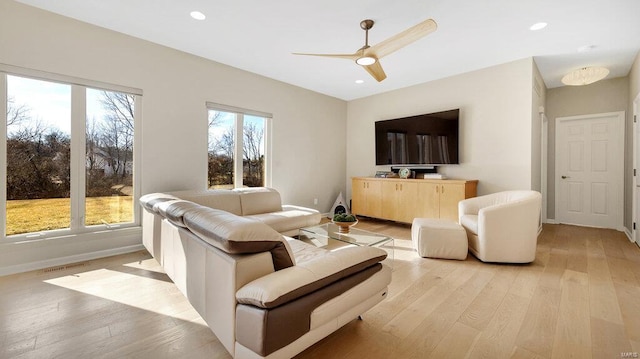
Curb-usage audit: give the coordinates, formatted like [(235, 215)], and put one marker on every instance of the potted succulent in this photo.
[(344, 221)]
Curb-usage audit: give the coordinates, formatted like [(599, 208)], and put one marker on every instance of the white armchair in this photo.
[(503, 226)]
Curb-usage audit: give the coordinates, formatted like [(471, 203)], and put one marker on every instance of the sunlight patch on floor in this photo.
[(132, 290)]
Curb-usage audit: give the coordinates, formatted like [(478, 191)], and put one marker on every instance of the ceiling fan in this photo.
[(369, 56)]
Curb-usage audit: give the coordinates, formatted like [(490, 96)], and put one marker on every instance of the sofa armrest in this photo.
[(470, 206), (294, 282)]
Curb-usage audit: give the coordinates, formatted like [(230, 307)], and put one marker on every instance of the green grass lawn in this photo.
[(34, 215)]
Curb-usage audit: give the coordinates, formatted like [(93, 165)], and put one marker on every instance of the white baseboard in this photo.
[(629, 235), (26, 267)]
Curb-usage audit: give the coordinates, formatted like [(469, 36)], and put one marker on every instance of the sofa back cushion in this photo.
[(174, 210), (505, 197), (258, 200), (222, 199), (148, 201), (236, 235)]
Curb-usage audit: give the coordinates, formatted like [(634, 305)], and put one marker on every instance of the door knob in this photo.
[(565, 177)]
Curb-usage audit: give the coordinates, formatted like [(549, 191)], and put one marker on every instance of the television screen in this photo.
[(429, 139)]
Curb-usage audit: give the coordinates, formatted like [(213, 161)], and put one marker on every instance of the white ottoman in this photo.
[(439, 238)]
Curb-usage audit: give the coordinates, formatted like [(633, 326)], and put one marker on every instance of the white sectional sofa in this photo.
[(263, 294)]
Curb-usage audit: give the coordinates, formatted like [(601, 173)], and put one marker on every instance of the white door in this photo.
[(589, 170)]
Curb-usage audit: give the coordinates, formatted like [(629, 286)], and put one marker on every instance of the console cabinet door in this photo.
[(389, 199), (366, 197), (358, 195), (374, 199), (407, 206), (429, 200), (399, 200), (450, 195), (440, 200)]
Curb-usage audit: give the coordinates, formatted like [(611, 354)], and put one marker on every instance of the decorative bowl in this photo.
[(343, 227)]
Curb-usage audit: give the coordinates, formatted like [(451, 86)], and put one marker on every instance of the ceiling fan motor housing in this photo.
[(366, 24)]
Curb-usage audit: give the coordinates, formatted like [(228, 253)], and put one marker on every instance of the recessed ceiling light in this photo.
[(359, 81), (198, 15), (538, 26)]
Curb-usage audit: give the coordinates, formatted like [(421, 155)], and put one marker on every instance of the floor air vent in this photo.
[(66, 266)]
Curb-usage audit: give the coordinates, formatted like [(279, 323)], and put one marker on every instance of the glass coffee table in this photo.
[(322, 236)]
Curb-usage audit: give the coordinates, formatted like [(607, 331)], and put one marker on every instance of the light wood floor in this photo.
[(580, 298)]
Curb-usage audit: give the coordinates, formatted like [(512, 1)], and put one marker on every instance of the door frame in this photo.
[(544, 166), (635, 202), (619, 195)]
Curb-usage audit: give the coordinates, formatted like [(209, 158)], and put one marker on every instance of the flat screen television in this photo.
[(423, 140)]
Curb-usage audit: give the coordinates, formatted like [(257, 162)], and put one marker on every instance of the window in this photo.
[(70, 160), (109, 157), (231, 132), (38, 148)]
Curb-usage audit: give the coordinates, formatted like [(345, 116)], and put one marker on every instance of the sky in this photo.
[(50, 102), (226, 120)]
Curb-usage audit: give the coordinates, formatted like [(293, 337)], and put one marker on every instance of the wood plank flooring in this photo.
[(580, 298)]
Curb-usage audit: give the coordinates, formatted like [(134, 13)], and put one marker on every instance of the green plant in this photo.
[(343, 217)]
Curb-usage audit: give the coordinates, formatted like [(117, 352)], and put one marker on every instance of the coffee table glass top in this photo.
[(355, 236)]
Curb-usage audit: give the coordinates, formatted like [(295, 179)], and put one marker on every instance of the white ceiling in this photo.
[(259, 36)]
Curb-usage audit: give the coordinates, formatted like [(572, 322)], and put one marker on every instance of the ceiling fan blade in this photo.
[(402, 39), (376, 71), (340, 56)]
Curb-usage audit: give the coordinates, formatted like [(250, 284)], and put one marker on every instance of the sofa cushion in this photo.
[(283, 221), (470, 223), (174, 210), (289, 284), (258, 200), (303, 251), (151, 199), (234, 234), (226, 200)]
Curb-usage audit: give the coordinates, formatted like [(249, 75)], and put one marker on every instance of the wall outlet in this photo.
[(315, 201)]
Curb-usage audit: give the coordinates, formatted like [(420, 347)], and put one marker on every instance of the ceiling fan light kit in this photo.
[(366, 60), (585, 76), (369, 56)]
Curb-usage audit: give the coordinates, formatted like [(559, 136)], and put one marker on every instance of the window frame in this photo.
[(78, 153), (239, 138)]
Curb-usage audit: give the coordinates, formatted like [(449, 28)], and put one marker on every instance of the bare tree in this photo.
[(252, 141), (252, 154), (93, 154), (33, 130), (16, 113), (117, 129), (221, 152), (120, 107), (38, 164), (224, 144), (214, 118)]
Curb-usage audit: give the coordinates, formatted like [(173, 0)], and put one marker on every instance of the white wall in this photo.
[(308, 128), (495, 124), (634, 79), (538, 101)]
